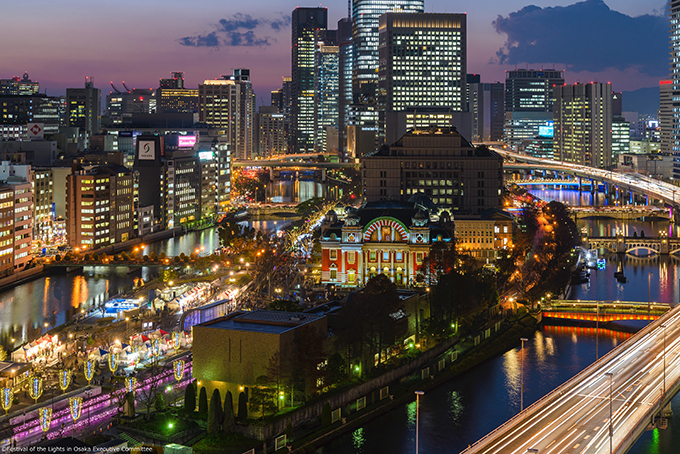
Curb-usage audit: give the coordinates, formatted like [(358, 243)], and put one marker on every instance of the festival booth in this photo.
[(40, 348), (15, 373)]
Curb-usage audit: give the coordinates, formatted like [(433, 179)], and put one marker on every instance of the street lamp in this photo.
[(521, 395), (611, 427), (418, 394)]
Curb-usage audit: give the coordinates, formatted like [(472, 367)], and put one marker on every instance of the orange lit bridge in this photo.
[(604, 311)]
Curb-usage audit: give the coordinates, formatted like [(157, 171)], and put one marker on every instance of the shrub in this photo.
[(203, 401), (145, 258), (176, 259), (190, 398), (228, 412), (242, 407), (326, 415)]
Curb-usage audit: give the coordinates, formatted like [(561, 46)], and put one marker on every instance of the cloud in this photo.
[(238, 30), (585, 36)]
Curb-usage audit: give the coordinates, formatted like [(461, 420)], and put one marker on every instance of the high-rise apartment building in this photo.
[(99, 206), (306, 24), (43, 203), (84, 109), (422, 62), (229, 104), (528, 101), (16, 229), (326, 114), (583, 124)]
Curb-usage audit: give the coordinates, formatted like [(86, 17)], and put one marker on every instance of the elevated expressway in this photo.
[(632, 182), (637, 376)]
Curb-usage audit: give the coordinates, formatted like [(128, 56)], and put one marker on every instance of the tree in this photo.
[(190, 398), (213, 413), (242, 407), (148, 395), (3, 353), (336, 368), (262, 396), (228, 423), (285, 305), (160, 403), (203, 401), (216, 395), (326, 415)]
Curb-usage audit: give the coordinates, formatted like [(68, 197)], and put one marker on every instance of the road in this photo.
[(575, 417), (657, 189)]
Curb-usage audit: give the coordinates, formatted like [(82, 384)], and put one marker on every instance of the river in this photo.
[(54, 299), (463, 410)]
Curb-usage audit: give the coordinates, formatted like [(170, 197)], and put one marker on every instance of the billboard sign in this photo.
[(186, 141), (35, 130), (547, 130), (147, 150), (205, 155)]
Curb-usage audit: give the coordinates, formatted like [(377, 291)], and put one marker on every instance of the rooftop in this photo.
[(271, 322)]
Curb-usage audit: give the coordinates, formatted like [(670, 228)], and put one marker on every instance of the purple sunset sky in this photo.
[(60, 42)]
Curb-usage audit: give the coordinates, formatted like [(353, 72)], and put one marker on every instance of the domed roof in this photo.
[(421, 215)]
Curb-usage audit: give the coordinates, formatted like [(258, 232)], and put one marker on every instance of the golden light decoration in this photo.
[(7, 399), (177, 337), (113, 361), (64, 379), (75, 404), (156, 347), (45, 418), (35, 387), (178, 369), (88, 369), (130, 384)]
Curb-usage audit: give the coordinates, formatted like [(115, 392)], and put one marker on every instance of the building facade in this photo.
[(326, 114), (84, 108), (306, 24), (583, 124), (438, 163)]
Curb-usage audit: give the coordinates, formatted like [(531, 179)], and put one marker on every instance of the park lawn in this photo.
[(224, 443)]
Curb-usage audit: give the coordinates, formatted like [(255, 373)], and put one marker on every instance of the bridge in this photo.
[(631, 245), (606, 407), (603, 311), (640, 184), (568, 182), (622, 212)]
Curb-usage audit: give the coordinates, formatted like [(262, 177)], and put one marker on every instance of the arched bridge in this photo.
[(606, 407), (634, 245)]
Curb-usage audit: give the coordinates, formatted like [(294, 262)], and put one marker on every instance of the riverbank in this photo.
[(460, 357)]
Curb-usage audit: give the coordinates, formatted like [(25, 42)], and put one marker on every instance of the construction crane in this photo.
[(128, 90), (114, 88)]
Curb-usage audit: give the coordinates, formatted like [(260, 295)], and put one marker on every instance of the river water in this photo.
[(56, 298), (462, 411)]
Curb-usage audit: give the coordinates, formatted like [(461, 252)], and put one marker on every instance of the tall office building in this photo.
[(84, 108), (326, 114), (229, 104), (365, 23), (20, 86), (674, 11), (528, 102), (345, 69), (583, 124), (666, 115), (270, 132), (422, 62), (486, 105), (305, 25), (176, 81)]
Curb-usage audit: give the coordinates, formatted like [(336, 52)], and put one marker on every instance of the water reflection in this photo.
[(456, 408)]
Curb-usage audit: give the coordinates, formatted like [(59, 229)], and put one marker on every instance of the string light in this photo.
[(64, 379), (7, 399), (88, 369), (178, 369), (76, 406), (177, 337), (45, 418), (130, 384), (35, 388), (113, 362)]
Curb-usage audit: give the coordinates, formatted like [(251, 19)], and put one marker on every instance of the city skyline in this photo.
[(60, 45)]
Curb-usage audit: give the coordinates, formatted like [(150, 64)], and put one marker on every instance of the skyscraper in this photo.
[(528, 101), (345, 69), (422, 62), (583, 124), (229, 103), (84, 108), (666, 115), (305, 24), (675, 78), (326, 96), (365, 18), (486, 104)]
